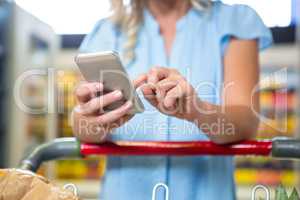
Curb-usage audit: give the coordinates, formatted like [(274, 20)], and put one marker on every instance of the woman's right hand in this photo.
[(90, 123)]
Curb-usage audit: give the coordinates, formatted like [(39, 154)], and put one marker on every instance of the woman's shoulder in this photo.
[(224, 8), (234, 12), (240, 21), (101, 36)]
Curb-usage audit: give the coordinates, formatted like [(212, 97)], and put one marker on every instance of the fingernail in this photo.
[(98, 87), (117, 94), (152, 79), (168, 104), (128, 104), (158, 95), (78, 109)]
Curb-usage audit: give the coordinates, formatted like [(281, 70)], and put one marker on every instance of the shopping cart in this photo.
[(281, 148)]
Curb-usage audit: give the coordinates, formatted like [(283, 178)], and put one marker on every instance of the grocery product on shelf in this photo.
[(278, 98)]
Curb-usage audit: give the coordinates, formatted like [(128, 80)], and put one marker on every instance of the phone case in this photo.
[(106, 67)]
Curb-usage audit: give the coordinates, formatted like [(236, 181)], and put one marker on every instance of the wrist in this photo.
[(196, 109)]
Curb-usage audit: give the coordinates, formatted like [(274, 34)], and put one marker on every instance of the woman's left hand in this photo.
[(167, 90)]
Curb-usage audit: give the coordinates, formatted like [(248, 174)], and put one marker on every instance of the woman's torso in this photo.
[(197, 53)]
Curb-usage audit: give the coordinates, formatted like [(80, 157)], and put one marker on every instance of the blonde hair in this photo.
[(129, 17)]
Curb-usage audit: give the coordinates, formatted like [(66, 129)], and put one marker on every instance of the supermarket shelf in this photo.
[(281, 56), (267, 176)]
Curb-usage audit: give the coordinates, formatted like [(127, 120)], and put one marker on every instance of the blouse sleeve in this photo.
[(242, 22)]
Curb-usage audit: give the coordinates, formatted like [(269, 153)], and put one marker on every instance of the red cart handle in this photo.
[(177, 148), (70, 147), (278, 147)]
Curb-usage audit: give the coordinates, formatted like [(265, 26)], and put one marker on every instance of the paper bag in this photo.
[(23, 185)]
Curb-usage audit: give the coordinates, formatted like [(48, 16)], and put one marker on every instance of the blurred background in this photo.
[(43, 36)]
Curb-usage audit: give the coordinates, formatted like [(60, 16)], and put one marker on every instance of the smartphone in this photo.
[(106, 67)]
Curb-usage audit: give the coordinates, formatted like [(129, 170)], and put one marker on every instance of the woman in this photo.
[(197, 67)]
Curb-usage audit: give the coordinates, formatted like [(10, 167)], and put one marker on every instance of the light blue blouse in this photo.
[(197, 52)]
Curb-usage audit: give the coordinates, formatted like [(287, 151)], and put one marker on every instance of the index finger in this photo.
[(156, 74), (139, 81)]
